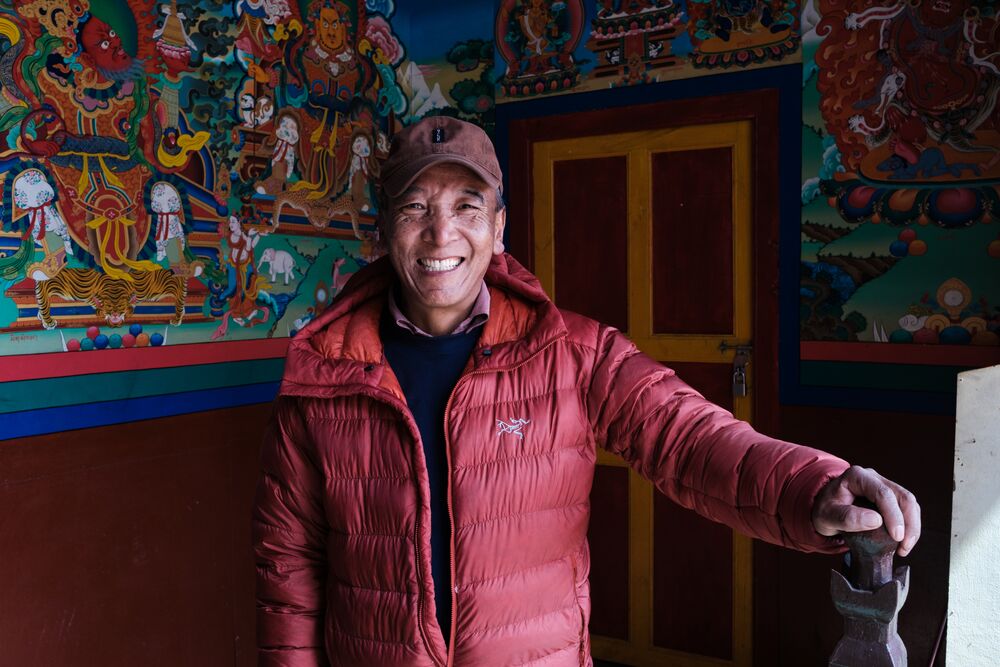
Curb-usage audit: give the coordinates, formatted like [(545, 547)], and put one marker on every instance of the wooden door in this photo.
[(652, 231)]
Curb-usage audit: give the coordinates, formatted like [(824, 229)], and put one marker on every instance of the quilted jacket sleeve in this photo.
[(702, 457), (289, 541)]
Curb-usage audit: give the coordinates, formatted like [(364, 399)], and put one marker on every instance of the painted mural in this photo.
[(200, 172), (550, 47), (449, 66), (901, 176)]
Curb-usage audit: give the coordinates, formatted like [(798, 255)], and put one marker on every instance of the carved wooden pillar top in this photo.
[(870, 603)]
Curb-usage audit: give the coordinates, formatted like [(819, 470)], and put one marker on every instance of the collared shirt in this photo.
[(477, 316)]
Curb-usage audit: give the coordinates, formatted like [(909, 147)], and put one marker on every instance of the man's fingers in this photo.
[(877, 489), (834, 510), (840, 518), (911, 514)]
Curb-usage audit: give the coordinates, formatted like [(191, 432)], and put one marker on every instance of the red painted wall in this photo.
[(130, 544)]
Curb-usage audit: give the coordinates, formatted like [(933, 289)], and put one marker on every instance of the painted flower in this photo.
[(380, 33)]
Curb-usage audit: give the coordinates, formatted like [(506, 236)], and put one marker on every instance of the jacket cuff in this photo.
[(288, 636), (797, 506), (298, 657)]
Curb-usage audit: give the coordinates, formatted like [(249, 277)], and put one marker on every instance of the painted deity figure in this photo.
[(544, 39), (99, 158), (284, 157), (935, 88), (248, 110), (263, 110), (34, 196), (242, 287), (110, 68), (536, 38), (362, 170), (331, 49), (254, 112), (165, 203), (287, 135)]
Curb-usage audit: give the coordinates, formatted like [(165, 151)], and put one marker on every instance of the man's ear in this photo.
[(499, 223)]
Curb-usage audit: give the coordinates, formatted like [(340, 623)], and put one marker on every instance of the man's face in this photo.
[(441, 233), (331, 29), (104, 46)]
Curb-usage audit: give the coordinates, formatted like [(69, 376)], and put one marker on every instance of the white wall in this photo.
[(974, 587)]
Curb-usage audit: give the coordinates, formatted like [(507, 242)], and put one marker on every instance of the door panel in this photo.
[(595, 190), (692, 582), (650, 231), (692, 241), (609, 553)]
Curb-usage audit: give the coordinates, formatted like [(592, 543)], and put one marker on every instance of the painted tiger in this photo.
[(112, 299)]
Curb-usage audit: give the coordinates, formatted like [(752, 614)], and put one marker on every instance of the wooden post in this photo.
[(870, 603)]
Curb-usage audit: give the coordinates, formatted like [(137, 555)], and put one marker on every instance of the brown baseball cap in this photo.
[(432, 141)]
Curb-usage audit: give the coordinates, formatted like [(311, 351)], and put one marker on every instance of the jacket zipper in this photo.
[(401, 408), (451, 511), (420, 594), (583, 625)]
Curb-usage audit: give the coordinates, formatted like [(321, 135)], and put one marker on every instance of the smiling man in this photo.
[(426, 480)]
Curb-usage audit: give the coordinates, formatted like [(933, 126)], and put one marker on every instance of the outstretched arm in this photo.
[(702, 457)]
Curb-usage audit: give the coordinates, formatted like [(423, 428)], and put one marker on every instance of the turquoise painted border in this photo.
[(104, 387)]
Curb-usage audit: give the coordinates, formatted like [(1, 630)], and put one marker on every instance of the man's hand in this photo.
[(834, 511)]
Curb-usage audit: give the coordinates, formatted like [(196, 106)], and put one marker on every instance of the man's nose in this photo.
[(440, 229)]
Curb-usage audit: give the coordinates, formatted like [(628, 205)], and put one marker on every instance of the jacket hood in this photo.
[(342, 346)]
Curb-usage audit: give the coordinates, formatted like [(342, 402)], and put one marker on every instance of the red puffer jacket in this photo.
[(342, 514)]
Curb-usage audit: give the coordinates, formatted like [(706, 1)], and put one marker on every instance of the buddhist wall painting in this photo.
[(901, 171), (567, 46), (178, 174), (450, 58)]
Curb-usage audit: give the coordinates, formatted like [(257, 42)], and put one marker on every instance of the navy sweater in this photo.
[(427, 369)]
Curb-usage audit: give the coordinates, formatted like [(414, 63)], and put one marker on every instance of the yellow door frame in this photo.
[(638, 148)]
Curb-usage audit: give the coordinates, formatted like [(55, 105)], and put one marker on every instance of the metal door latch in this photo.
[(740, 363), (740, 374)]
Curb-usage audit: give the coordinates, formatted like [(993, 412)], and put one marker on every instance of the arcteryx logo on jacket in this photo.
[(515, 427), (342, 517)]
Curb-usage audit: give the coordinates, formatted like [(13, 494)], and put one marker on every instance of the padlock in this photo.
[(740, 362), (739, 382)]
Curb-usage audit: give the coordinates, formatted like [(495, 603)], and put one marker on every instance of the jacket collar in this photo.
[(342, 348)]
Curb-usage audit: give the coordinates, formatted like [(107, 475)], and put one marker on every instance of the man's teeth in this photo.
[(440, 264)]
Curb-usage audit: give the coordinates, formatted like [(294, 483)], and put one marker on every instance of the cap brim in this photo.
[(395, 184)]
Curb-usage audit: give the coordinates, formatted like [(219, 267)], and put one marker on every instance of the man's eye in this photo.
[(112, 33), (105, 44)]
